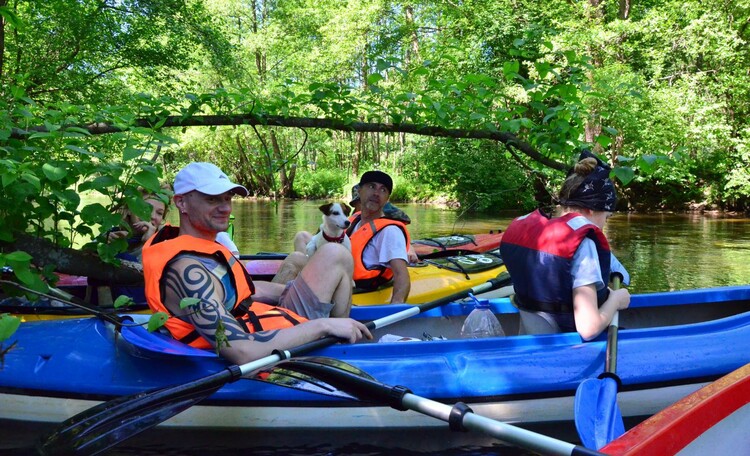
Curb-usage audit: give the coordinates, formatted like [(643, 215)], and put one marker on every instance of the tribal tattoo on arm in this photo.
[(189, 278)]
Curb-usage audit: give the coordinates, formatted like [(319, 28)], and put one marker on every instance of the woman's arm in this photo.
[(590, 319)]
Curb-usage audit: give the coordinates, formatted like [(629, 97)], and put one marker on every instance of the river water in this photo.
[(661, 251)]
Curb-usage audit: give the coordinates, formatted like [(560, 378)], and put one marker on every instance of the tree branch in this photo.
[(73, 262), (331, 124)]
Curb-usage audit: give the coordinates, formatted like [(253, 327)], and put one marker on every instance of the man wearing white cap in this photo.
[(231, 313)]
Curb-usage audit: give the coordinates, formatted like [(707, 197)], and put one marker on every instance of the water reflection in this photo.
[(661, 251), (675, 252)]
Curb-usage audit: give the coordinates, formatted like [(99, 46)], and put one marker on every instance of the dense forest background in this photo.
[(479, 103)]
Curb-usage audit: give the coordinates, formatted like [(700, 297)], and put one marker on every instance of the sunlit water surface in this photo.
[(661, 251)]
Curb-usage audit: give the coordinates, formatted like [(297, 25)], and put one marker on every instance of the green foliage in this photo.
[(403, 189), (188, 302), (663, 94), (43, 175), (156, 321), (480, 176), (320, 184), (123, 302), (8, 325)]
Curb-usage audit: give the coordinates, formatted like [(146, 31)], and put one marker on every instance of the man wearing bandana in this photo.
[(561, 266)]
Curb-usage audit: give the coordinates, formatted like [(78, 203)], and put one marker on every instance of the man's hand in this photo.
[(347, 329), (146, 229)]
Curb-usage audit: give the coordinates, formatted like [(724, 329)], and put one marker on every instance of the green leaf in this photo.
[(148, 180), (382, 65), (80, 150), (54, 173), (604, 141), (131, 153), (19, 256), (510, 69), (30, 278), (374, 78), (12, 18), (33, 180), (156, 321), (187, 302), (83, 131), (543, 68), (8, 325), (95, 213), (123, 301), (624, 174)]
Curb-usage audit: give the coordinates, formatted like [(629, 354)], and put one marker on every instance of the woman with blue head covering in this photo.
[(561, 266)]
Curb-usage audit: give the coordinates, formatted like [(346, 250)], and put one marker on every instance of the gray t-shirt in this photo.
[(585, 268)]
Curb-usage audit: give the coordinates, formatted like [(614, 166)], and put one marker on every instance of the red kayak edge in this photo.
[(675, 427)]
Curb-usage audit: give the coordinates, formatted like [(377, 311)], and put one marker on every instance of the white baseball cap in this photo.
[(206, 178)]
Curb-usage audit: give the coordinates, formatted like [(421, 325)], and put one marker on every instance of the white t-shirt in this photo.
[(223, 238), (388, 244)]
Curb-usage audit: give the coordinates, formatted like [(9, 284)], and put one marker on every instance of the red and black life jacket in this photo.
[(538, 252)]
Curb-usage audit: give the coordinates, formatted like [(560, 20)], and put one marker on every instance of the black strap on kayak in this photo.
[(459, 263), (436, 242)]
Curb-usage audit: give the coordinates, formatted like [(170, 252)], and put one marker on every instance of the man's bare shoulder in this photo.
[(195, 276)]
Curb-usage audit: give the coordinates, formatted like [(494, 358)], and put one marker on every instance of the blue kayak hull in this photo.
[(670, 344)]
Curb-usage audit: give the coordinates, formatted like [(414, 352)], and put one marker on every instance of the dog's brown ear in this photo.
[(326, 208), (347, 210)]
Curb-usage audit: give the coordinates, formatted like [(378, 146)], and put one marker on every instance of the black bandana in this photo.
[(596, 192)]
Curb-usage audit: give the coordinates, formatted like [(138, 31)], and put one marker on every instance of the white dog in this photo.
[(333, 228)]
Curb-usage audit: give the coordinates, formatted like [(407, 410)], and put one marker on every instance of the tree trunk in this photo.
[(624, 12), (412, 53), (285, 187), (260, 58), (3, 3)]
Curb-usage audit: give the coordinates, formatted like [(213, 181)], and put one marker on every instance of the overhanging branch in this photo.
[(73, 262), (330, 124)]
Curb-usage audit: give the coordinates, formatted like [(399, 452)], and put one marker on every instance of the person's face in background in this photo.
[(158, 211)]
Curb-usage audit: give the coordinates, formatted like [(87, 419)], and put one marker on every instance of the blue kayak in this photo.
[(670, 344)]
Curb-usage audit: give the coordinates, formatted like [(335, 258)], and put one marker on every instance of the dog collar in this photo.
[(338, 239)]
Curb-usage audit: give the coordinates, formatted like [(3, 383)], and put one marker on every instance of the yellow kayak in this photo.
[(438, 277)]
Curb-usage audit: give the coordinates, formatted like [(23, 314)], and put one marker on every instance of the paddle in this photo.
[(459, 416), (65, 298), (263, 256), (597, 415), (109, 423)]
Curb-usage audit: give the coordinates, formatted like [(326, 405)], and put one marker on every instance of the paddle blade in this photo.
[(597, 416), (285, 374), (109, 423)]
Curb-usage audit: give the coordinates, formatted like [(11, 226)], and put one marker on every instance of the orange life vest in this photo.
[(253, 316), (370, 278)]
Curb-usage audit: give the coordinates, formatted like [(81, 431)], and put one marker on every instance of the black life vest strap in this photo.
[(190, 337), (253, 322)]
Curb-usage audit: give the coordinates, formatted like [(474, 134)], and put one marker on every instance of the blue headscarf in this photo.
[(596, 192)]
